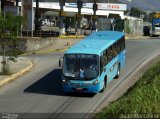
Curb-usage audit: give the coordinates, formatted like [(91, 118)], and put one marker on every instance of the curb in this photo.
[(135, 37), (71, 36), (16, 75), (47, 51)]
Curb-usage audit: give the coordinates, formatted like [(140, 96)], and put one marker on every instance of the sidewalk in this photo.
[(17, 69), (58, 45)]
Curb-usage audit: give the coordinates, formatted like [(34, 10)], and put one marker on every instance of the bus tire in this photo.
[(118, 72), (104, 85), (105, 81)]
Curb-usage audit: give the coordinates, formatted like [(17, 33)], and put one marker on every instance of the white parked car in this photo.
[(47, 22)]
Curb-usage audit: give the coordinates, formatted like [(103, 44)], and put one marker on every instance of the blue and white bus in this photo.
[(91, 64)]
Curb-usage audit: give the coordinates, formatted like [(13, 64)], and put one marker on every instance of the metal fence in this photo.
[(42, 31), (134, 27)]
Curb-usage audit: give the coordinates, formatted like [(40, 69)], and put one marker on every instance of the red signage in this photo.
[(110, 6)]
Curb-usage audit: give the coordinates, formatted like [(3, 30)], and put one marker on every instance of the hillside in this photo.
[(153, 5)]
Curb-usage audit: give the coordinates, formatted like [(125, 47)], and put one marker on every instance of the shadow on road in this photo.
[(51, 84)]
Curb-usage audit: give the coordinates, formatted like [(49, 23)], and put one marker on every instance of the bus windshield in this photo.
[(81, 66)]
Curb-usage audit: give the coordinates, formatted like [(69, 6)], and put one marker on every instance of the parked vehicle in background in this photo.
[(47, 22), (155, 27), (146, 30), (92, 63)]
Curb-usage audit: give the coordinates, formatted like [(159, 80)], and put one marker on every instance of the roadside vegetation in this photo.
[(10, 27), (141, 100)]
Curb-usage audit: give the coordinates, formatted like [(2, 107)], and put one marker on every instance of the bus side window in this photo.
[(122, 42), (109, 54), (101, 64), (118, 47), (105, 59), (114, 51)]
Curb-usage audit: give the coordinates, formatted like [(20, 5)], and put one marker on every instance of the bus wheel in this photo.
[(105, 84), (118, 72), (105, 81)]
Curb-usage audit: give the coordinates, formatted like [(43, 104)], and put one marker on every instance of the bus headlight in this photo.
[(65, 81), (95, 82)]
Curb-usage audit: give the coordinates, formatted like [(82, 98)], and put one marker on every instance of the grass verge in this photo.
[(141, 101)]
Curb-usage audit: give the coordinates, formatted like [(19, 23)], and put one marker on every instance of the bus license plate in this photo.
[(79, 89)]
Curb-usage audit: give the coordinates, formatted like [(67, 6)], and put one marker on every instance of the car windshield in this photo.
[(81, 66)]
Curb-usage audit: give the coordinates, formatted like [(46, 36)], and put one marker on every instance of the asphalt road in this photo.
[(39, 94)]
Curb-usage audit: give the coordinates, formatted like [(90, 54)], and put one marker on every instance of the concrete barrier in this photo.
[(31, 44)]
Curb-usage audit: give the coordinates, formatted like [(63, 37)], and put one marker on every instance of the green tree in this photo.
[(10, 27), (127, 28), (135, 12)]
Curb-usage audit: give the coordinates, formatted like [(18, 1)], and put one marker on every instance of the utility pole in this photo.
[(95, 7), (78, 16), (2, 6), (17, 7), (61, 16), (37, 16), (16, 3), (21, 14)]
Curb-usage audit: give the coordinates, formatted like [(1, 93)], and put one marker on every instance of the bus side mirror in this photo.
[(60, 62)]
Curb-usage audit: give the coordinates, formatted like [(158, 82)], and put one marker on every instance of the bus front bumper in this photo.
[(87, 89)]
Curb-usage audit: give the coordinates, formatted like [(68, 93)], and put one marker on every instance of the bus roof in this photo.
[(95, 43)]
